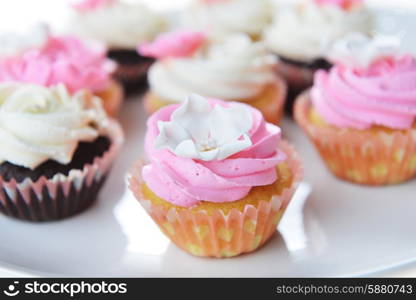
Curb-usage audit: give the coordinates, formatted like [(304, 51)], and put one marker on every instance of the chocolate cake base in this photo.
[(85, 154), (132, 69), (41, 206)]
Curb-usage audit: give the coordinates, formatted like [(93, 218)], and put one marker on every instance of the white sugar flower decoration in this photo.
[(359, 51), (199, 131)]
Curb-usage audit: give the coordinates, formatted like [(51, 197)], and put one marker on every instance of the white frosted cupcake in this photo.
[(56, 150), (232, 69), (121, 26), (302, 33), (224, 17)]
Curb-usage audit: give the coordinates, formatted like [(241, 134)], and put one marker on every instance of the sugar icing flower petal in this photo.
[(237, 116), (192, 116), (171, 134), (199, 130)]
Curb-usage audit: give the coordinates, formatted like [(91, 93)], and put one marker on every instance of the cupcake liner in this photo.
[(63, 195), (372, 157), (298, 78), (131, 69), (272, 109), (133, 77), (112, 98), (214, 233)]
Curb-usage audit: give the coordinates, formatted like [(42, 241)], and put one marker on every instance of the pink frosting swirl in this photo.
[(343, 4), (383, 94), (66, 60), (180, 43), (90, 5), (185, 182)]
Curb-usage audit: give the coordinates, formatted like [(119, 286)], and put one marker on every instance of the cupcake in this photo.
[(40, 58), (233, 69), (302, 33), (56, 150), (219, 177), (361, 114), (120, 26), (224, 17)]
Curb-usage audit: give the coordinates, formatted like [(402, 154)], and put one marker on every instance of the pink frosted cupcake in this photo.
[(47, 60), (219, 177), (361, 114)]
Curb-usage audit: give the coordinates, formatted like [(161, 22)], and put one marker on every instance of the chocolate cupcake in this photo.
[(302, 33), (121, 26), (56, 151)]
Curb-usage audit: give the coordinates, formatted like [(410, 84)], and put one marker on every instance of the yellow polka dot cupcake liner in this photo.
[(221, 232), (270, 102), (376, 156)]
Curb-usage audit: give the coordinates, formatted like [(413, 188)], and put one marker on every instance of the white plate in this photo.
[(340, 230)]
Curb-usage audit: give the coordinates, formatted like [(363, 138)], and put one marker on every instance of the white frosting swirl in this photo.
[(16, 43), (39, 123), (119, 25), (222, 18), (232, 69), (304, 32)]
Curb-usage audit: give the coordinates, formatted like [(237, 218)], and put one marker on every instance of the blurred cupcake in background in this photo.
[(56, 149), (219, 177), (361, 114), (41, 58), (302, 33), (232, 69), (120, 26), (224, 17)]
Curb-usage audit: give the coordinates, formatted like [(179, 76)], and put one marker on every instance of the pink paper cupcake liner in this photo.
[(63, 195), (214, 233)]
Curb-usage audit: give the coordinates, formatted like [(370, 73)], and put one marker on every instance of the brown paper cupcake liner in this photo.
[(375, 156), (297, 77), (219, 234), (62, 195)]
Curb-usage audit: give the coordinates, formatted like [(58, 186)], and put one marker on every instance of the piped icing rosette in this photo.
[(39, 123), (67, 60), (118, 24), (224, 17), (369, 85), (238, 68), (209, 150), (304, 32)]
